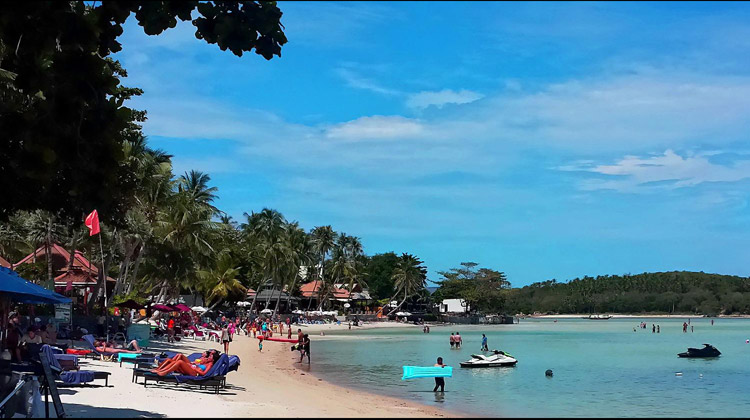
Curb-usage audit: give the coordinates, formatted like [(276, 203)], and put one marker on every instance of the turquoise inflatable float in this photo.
[(413, 372)]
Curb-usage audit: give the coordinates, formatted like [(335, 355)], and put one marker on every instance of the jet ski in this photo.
[(707, 351), (498, 358)]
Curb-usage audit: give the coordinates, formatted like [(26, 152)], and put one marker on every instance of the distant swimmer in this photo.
[(548, 373)]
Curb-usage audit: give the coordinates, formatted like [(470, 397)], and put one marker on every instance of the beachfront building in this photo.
[(77, 281), (453, 306)]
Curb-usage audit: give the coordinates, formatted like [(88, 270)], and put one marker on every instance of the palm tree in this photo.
[(409, 277), (220, 282), (297, 254), (267, 229), (323, 240)]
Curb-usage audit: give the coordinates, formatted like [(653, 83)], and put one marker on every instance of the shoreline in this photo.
[(267, 384), (384, 405), (627, 316)]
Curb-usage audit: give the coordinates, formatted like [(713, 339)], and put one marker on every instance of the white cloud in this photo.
[(668, 170), (425, 99), (376, 127), (356, 81)]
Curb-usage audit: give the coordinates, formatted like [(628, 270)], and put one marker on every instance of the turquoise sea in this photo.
[(601, 368)]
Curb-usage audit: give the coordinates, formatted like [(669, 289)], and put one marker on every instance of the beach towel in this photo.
[(71, 377), (412, 372), (234, 363), (78, 352)]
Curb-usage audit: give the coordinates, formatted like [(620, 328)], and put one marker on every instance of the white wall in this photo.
[(452, 305)]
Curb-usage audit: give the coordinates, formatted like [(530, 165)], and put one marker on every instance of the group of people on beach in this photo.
[(456, 340)]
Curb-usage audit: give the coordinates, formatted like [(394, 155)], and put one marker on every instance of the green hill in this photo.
[(667, 292)]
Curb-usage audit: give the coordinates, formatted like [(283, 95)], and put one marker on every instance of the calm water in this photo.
[(601, 368)]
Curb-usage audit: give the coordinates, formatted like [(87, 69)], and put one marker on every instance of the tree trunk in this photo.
[(268, 299), (278, 298), (48, 250), (399, 305), (320, 277), (138, 259), (73, 245), (252, 305)]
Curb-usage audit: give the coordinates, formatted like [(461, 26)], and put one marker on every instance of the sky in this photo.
[(545, 140)]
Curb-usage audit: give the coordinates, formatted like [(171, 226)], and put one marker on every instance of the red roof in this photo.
[(311, 290), (4, 263), (77, 276), (250, 292), (60, 258)]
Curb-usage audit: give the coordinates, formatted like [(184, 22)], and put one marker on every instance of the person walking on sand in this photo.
[(439, 381), (484, 343), (260, 343), (225, 338), (289, 332)]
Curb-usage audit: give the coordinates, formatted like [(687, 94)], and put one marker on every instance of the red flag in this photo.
[(92, 222)]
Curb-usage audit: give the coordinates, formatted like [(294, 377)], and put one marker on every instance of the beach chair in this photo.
[(141, 367), (107, 356), (214, 378), (76, 377)]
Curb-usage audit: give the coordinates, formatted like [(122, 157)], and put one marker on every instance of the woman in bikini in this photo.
[(182, 365)]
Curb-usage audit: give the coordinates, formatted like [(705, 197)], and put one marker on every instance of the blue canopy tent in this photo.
[(15, 289), (24, 291)]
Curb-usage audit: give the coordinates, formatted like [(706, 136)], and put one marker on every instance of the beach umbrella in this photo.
[(182, 307), (19, 290), (266, 311), (198, 309), (162, 307), (130, 304), (243, 303)]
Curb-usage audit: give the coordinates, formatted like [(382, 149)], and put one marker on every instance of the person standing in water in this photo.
[(452, 340), (439, 381), (484, 343), (458, 340), (658, 329)]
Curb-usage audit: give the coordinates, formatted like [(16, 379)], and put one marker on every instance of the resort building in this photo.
[(453, 306), (77, 280)]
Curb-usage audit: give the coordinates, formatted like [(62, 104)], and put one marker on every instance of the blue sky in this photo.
[(546, 140)]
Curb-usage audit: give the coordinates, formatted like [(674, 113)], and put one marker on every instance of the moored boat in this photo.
[(498, 358)]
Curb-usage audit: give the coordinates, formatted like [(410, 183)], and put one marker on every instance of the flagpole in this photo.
[(104, 280)]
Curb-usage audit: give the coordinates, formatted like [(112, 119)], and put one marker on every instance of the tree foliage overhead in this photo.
[(63, 118)]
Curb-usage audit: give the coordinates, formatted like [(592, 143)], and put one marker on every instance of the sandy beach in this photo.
[(268, 384)]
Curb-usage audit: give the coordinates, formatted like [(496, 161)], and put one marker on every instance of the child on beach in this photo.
[(260, 343)]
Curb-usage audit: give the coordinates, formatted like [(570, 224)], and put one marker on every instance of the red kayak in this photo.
[(280, 340)]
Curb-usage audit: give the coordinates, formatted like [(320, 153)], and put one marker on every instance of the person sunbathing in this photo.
[(111, 347), (182, 365)]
